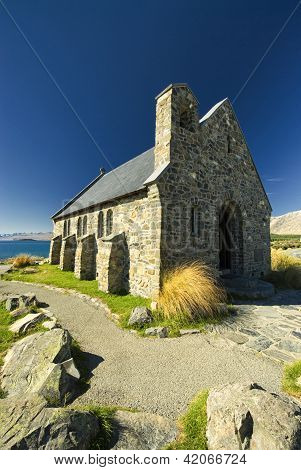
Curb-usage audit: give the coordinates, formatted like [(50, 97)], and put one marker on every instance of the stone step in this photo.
[(247, 288)]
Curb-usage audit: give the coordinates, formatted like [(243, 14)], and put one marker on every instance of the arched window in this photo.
[(68, 227), (65, 229), (85, 223), (100, 225), (79, 227), (109, 222)]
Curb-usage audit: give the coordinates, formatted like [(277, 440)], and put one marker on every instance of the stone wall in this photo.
[(210, 167), (138, 217)]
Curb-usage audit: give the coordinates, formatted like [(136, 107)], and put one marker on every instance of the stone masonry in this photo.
[(200, 198)]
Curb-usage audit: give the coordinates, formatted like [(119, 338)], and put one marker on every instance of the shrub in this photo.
[(286, 270), (22, 260), (190, 291), (281, 260)]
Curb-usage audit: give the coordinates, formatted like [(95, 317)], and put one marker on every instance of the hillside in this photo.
[(287, 224), (26, 236)]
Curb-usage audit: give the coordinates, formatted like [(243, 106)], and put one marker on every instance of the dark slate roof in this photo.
[(125, 179)]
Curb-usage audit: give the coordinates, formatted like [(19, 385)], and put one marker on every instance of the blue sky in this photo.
[(111, 59)]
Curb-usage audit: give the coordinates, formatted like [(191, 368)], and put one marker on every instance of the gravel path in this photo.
[(156, 375)]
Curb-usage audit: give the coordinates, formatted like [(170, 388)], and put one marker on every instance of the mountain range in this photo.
[(287, 224)]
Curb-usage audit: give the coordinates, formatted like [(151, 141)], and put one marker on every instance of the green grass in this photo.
[(284, 237), (7, 338), (193, 425), (292, 372), (105, 416), (118, 304)]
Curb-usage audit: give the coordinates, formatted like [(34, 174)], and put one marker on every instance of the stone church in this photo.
[(196, 195)]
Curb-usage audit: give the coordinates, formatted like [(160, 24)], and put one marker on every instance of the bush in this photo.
[(22, 260), (190, 291), (281, 260)]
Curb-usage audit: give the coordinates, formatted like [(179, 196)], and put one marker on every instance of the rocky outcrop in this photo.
[(141, 431), (40, 363), (159, 331), (26, 323), (23, 300), (245, 416), (27, 423), (140, 316)]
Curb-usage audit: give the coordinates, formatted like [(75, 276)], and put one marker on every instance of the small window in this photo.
[(79, 227), (228, 144), (109, 222), (65, 229), (100, 225), (193, 221), (68, 227), (85, 223)]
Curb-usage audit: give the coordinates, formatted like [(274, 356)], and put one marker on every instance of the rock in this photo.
[(290, 345), (29, 321), (19, 311), (141, 431), (140, 316), (160, 331), (60, 383), (154, 305), (259, 343), (23, 300), (189, 332), (236, 337), (50, 324), (29, 270), (245, 416), (29, 366), (27, 423)]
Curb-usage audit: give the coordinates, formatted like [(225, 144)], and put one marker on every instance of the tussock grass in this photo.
[(286, 270), (281, 261), (189, 292), (291, 374), (22, 261), (193, 426)]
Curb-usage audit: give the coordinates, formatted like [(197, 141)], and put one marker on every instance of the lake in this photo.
[(12, 248)]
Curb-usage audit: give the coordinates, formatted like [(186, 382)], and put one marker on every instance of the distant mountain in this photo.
[(287, 224), (26, 236)]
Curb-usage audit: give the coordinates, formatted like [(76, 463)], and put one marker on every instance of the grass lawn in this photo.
[(291, 374), (193, 425), (119, 304)]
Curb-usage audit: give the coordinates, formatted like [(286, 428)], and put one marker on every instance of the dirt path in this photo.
[(156, 375)]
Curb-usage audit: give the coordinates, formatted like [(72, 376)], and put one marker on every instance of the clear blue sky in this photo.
[(111, 58)]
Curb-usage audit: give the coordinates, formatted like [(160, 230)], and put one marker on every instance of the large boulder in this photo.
[(141, 431), (245, 416), (140, 316), (41, 363), (29, 321), (26, 423), (22, 300)]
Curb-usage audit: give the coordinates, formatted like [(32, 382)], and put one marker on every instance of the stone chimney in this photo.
[(176, 116)]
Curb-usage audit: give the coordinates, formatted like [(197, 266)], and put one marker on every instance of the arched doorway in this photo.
[(230, 239)]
